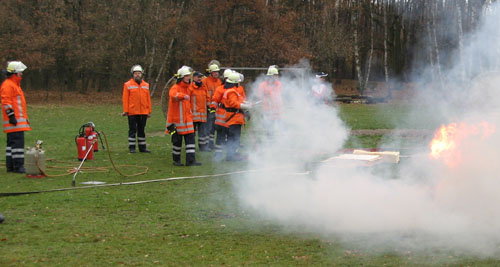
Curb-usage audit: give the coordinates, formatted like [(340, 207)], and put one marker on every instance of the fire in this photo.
[(448, 140)]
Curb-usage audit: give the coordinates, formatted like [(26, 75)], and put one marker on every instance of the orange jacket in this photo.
[(269, 93), (199, 102), (210, 83), (220, 113), (136, 98), (232, 100), (179, 109), (12, 98)]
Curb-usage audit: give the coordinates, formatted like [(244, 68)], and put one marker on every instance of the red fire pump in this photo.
[(86, 141)]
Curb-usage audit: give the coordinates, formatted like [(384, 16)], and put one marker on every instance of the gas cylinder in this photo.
[(35, 161), (82, 145)]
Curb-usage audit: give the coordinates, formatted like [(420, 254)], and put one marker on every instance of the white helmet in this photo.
[(183, 71), (213, 67), (15, 67), (273, 70), (233, 77), (136, 68), (226, 73), (242, 77)]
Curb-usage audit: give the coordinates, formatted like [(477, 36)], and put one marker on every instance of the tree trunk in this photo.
[(370, 56), (435, 45), (361, 86), (460, 40), (167, 54), (386, 52)]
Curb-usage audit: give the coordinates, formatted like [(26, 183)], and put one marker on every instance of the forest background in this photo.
[(82, 45)]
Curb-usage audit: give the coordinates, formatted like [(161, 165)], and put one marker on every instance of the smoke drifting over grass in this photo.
[(430, 207)]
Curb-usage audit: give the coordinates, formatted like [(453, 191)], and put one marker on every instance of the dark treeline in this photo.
[(79, 45)]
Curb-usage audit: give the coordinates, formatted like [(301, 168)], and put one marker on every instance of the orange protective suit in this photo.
[(199, 102), (179, 109), (136, 98), (12, 98)]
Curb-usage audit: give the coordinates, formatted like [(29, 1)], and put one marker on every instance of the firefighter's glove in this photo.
[(172, 129), (211, 110), (247, 115), (12, 117)]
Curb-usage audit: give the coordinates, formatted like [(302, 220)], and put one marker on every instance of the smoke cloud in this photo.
[(429, 207)]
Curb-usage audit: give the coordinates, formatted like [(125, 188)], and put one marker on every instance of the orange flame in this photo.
[(447, 141)]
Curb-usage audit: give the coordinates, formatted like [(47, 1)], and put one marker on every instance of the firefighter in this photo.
[(211, 83), (15, 116), (180, 119), (220, 117), (234, 104), (137, 106), (269, 92), (320, 90), (200, 100)]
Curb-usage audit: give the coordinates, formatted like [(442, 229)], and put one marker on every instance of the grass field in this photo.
[(194, 222)]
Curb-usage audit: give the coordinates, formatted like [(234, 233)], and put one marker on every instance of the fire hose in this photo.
[(74, 171), (146, 181)]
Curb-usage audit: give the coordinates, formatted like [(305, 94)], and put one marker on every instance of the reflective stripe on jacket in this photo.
[(220, 113), (179, 109), (12, 97), (136, 98), (199, 100), (232, 100), (210, 83)]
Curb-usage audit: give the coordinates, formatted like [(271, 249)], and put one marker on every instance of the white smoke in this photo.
[(430, 206)]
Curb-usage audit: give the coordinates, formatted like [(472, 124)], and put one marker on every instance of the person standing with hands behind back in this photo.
[(137, 106), (15, 117)]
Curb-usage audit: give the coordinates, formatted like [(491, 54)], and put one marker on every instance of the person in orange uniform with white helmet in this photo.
[(220, 117), (180, 119), (137, 106), (199, 103), (210, 83), (15, 116), (269, 92), (234, 104)]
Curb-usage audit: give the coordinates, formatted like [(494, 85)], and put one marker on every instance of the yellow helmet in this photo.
[(213, 67), (184, 71), (233, 77), (15, 67), (272, 70)]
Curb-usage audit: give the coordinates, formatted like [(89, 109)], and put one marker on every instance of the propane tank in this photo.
[(35, 161)]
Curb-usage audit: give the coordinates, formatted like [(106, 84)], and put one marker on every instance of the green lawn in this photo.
[(185, 222)]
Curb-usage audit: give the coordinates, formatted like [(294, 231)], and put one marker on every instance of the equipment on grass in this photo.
[(85, 141), (35, 161), (1, 218)]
